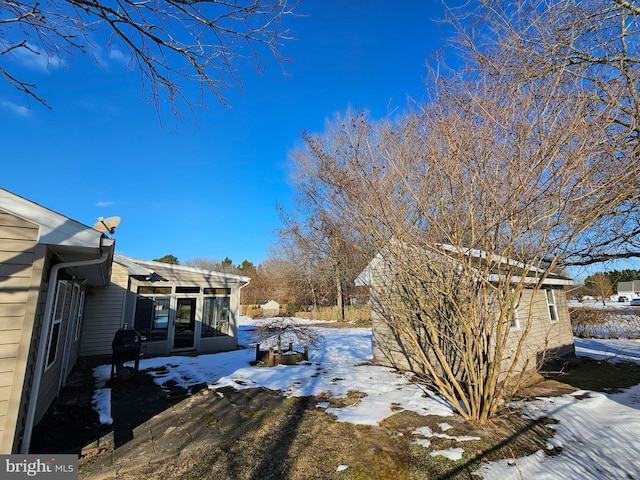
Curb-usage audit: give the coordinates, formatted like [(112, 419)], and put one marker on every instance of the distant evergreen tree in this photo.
[(247, 268), (173, 260)]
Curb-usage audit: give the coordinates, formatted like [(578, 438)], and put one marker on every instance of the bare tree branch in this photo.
[(199, 41)]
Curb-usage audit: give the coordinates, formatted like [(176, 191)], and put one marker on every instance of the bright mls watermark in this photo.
[(50, 467)]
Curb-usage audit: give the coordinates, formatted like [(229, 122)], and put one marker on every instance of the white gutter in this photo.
[(42, 347)]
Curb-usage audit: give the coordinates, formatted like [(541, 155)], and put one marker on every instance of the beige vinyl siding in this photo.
[(103, 313), (20, 276), (28, 349), (388, 348), (544, 340)]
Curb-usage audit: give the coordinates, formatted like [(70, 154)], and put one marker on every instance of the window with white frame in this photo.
[(216, 312), (551, 303), (56, 323), (79, 313)]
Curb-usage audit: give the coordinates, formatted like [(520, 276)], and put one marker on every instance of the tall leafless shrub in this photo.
[(510, 174)]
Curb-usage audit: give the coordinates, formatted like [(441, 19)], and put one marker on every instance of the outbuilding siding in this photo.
[(545, 339)]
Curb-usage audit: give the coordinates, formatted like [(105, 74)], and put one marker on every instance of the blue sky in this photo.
[(208, 189)]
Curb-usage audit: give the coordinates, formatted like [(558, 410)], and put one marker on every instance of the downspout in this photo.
[(124, 304), (238, 309), (42, 347)]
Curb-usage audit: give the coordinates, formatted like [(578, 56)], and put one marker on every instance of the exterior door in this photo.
[(184, 325)]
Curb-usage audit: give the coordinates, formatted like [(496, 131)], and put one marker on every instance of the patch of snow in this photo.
[(598, 434), (427, 432), (607, 349), (554, 443), (101, 375), (101, 400), (452, 453), (425, 442), (256, 322)]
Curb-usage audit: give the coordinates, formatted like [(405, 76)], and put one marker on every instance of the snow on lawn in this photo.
[(339, 366), (598, 432), (606, 349)]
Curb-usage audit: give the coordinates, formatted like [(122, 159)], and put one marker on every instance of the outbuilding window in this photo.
[(551, 303)]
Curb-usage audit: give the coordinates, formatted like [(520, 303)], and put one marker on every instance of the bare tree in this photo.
[(225, 266), (276, 331), (302, 284), (522, 161), (600, 285), (473, 203), (593, 46), (168, 41), (269, 281), (331, 254)]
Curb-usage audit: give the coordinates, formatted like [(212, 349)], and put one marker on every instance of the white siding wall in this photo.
[(103, 313)]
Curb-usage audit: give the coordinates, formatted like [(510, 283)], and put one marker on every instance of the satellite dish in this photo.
[(107, 224)]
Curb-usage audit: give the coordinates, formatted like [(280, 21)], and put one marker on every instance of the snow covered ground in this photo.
[(599, 433)]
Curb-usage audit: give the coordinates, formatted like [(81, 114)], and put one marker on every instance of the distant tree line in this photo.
[(293, 277), (604, 284), (613, 277)]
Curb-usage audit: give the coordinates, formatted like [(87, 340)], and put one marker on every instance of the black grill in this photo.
[(126, 347)]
